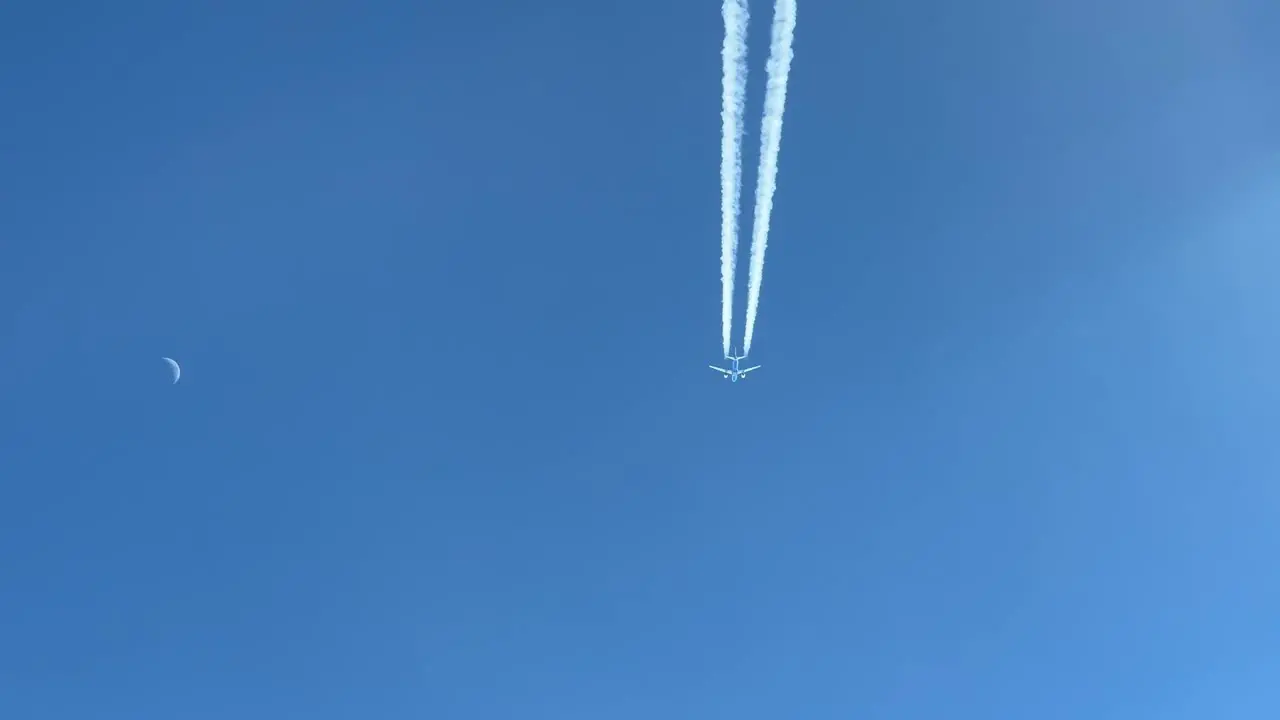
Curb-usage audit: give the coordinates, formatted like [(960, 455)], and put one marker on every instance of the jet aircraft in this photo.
[(734, 374)]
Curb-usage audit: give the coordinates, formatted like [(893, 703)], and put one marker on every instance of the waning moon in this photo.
[(173, 366)]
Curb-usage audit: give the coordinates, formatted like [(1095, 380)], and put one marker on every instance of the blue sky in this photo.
[(444, 280)]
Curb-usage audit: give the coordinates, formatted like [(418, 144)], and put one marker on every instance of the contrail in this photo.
[(779, 67), (734, 81)]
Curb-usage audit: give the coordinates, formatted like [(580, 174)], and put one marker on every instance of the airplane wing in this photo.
[(744, 372), (726, 372)]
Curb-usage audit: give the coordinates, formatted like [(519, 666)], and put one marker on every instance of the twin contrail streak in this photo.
[(779, 67), (734, 82)]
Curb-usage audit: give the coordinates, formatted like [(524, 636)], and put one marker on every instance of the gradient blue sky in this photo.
[(444, 281)]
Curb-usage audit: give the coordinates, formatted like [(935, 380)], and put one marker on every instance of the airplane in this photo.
[(734, 374)]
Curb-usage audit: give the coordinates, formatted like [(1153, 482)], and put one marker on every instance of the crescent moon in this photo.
[(173, 366)]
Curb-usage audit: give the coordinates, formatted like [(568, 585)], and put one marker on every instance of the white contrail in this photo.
[(784, 28), (734, 81)]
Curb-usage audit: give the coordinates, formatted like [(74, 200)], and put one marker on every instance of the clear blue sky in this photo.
[(444, 279)]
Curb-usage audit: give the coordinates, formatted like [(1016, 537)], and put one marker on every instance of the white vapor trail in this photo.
[(779, 67), (734, 81)]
